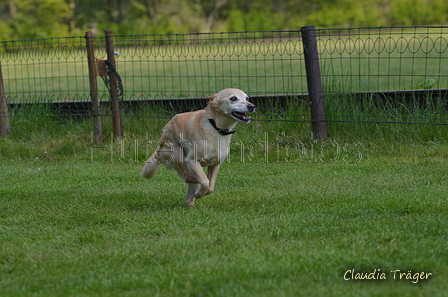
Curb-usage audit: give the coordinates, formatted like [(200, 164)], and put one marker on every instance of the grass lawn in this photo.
[(73, 228)]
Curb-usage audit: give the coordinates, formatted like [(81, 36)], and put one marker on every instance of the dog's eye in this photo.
[(233, 98)]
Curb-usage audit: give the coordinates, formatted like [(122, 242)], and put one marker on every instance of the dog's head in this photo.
[(232, 103)]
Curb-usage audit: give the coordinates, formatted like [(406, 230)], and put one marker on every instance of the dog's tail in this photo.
[(151, 166)]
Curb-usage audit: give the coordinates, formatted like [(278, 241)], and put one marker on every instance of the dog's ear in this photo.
[(210, 99)]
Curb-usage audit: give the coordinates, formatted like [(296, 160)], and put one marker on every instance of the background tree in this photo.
[(46, 18)]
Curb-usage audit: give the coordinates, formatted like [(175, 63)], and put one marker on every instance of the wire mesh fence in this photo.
[(172, 73), (368, 74), (392, 75), (44, 70)]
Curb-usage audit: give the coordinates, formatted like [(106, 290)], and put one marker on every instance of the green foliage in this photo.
[(429, 83), (254, 20), (41, 19), (50, 18), (348, 13), (235, 21), (418, 12), (6, 31), (259, 20)]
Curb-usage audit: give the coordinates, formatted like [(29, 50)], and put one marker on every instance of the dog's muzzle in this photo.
[(251, 107)]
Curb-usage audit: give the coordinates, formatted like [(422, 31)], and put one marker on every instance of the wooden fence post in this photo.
[(116, 114), (314, 82), (4, 118), (97, 127)]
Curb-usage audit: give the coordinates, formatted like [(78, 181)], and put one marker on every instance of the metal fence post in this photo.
[(97, 127), (314, 82), (116, 114), (4, 119)]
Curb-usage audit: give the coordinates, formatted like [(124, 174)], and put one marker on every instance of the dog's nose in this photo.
[(251, 107)]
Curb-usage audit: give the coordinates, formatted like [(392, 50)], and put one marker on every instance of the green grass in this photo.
[(74, 224), (75, 228)]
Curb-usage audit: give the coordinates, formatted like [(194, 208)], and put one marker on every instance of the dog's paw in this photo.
[(189, 202)]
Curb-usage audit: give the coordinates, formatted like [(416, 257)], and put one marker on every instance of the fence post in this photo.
[(4, 119), (113, 85), (97, 127), (314, 82)]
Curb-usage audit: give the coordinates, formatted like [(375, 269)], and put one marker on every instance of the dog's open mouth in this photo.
[(241, 116)]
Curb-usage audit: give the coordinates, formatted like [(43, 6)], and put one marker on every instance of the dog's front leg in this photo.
[(212, 173), (192, 188), (202, 180)]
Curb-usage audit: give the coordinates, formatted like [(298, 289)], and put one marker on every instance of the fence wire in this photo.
[(368, 74), (389, 75)]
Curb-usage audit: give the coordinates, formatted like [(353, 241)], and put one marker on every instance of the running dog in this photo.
[(193, 140)]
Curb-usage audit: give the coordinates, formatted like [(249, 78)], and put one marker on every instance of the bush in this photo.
[(235, 21), (418, 12)]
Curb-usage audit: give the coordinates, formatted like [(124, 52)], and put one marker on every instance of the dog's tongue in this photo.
[(241, 115)]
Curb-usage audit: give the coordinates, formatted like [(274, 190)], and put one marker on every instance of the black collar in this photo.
[(220, 130)]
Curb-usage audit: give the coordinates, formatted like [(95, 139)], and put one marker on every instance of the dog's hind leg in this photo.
[(150, 167), (163, 154)]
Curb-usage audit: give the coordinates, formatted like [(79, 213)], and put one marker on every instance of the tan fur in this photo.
[(189, 142)]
